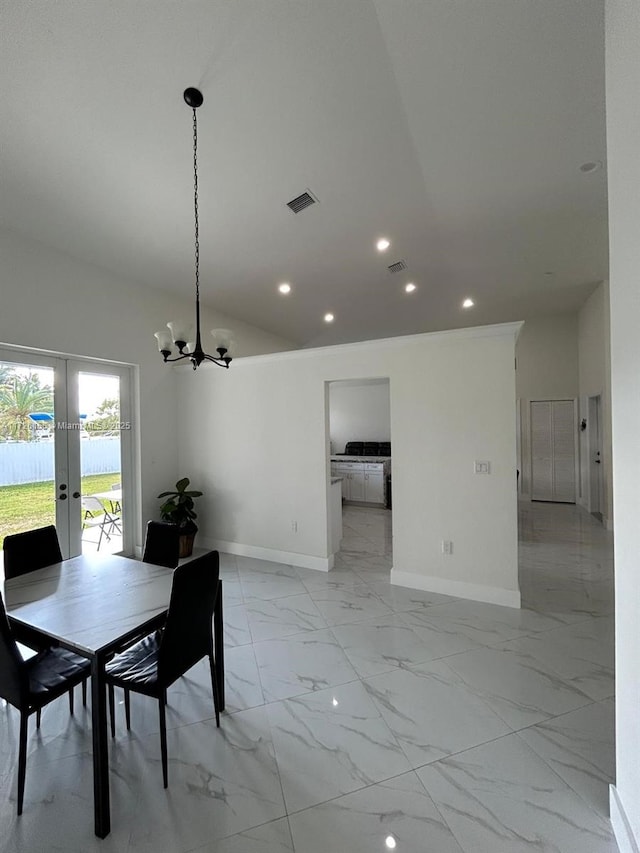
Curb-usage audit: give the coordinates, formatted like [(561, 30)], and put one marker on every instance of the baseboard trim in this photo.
[(459, 589), (621, 828), (287, 558)]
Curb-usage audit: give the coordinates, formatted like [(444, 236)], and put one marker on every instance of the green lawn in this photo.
[(32, 505)]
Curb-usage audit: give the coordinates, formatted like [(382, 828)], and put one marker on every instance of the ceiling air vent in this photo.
[(398, 266), (301, 202)]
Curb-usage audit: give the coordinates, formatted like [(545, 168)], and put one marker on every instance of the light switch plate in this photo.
[(482, 467)]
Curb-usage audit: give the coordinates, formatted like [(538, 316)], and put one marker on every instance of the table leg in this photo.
[(102, 816), (218, 638)]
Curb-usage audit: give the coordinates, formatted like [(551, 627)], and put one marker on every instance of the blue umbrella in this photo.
[(47, 417)]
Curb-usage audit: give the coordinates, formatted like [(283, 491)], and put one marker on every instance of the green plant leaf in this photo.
[(181, 485)]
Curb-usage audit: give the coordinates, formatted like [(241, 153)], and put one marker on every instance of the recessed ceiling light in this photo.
[(383, 244), (284, 287), (390, 842), (591, 166), (409, 288), (468, 303), (329, 318)]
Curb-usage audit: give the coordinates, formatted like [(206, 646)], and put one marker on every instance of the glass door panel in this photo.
[(100, 466), (31, 400), (99, 445)]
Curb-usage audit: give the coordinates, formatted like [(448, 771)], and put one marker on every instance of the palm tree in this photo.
[(106, 419), (21, 396), (6, 373)]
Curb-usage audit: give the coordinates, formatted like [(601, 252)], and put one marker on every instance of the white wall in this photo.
[(359, 411), (547, 369), (623, 139), (52, 302), (594, 379), (259, 434)]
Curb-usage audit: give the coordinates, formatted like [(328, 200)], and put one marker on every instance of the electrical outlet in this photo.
[(294, 526), (482, 467), (447, 547)]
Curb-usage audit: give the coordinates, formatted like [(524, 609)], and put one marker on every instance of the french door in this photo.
[(66, 450)]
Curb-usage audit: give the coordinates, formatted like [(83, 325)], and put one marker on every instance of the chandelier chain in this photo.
[(193, 350), (195, 202)]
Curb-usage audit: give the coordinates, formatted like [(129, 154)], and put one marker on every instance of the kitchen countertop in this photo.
[(342, 458)]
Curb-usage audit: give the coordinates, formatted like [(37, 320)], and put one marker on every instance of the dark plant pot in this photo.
[(186, 543)]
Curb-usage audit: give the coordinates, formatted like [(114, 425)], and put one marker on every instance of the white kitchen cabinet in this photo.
[(357, 482), (374, 483), (352, 474), (342, 469), (362, 482)]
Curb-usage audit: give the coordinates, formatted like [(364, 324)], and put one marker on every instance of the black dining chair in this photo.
[(152, 664), (34, 549), (31, 684), (26, 552), (162, 544)]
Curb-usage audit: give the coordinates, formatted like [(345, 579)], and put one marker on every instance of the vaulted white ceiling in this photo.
[(456, 128)]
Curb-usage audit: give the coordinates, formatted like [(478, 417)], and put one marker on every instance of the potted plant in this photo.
[(178, 509)]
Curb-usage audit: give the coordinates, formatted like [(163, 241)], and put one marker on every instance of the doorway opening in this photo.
[(360, 465), (596, 479)]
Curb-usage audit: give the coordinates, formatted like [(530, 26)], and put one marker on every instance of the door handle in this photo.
[(597, 461)]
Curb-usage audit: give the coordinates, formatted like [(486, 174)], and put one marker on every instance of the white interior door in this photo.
[(541, 451), (553, 463)]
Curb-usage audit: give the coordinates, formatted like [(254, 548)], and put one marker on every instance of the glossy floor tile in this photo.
[(301, 664), (330, 743), (361, 716), (502, 798), (397, 814)]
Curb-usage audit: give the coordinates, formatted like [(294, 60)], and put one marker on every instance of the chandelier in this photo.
[(180, 334)]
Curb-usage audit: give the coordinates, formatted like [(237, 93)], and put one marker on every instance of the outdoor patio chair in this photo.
[(96, 515)]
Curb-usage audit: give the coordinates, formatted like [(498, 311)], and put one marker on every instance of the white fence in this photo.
[(33, 461)]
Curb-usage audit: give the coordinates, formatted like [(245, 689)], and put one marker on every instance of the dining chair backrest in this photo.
[(161, 544), (34, 549), (13, 680), (187, 634)]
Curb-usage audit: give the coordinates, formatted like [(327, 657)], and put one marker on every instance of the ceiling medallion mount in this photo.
[(180, 334)]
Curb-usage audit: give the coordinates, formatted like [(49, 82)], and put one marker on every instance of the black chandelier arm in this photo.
[(198, 357)]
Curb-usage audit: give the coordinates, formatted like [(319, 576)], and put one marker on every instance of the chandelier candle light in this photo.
[(180, 333)]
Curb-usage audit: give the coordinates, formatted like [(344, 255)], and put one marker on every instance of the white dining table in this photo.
[(94, 604)]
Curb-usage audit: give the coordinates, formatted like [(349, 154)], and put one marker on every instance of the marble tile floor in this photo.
[(361, 717)]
